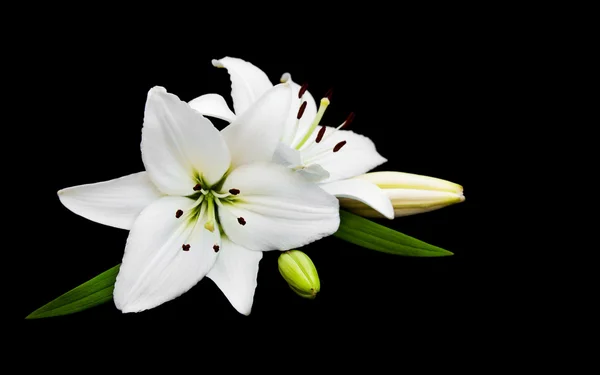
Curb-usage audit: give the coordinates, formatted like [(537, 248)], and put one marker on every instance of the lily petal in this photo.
[(179, 145), (116, 203), (293, 132), (255, 134), (276, 209), (291, 158), (314, 173), (155, 267), (235, 273), (287, 156), (248, 83), (363, 191), (213, 105), (356, 157)]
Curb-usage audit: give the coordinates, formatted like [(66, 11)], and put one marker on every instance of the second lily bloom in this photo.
[(333, 157)]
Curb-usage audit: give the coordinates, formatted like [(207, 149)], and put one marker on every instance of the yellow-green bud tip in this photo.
[(300, 273)]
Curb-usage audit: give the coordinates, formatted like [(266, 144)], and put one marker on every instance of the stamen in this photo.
[(301, 110), (218, 195), (344, 124), (339, 146), (241, 220), (185, 247), (216, 248), (234, 191), (197, 187), (178, 213), (302, 90), (202, 203), (348, 121), (329, 93), (321, 134)]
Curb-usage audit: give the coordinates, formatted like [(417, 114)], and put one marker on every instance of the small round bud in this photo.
[(300, 273)]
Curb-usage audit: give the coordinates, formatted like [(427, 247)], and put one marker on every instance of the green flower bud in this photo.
[(300, 273)]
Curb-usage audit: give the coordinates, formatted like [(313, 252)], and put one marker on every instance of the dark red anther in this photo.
[(197, 187), (234, 191), (241, 221), (321, 134), (339, 146), (216, 248), (328, 94), (348, 121), (302, 90), (185, 247), (178, 214), (301, 110)]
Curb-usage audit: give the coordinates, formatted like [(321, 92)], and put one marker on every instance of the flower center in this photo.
[(204, 210), (306, 141)]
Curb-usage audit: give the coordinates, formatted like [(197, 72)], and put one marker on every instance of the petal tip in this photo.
[(128, 310), (217, 63), (245, 312), (157, 90), (285, 77), (125, 307)]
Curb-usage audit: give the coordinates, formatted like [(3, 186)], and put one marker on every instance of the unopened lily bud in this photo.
[(410, 193), (300, 273)]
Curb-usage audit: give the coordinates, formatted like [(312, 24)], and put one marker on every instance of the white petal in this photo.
[(314, 173), (179, 144), (155, 268), (363, 191), (291, 158), (280, 208), (213, 105), (292, 131), (356, 157), (286, 156), (235, 273), (248, 82), (116, 203), (255, 134)]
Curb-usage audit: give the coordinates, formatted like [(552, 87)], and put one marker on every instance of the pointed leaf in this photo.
[(89, 294), (366, 233)]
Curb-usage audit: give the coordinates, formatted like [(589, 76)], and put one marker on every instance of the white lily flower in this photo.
[(326, 155), (409, 193), (208, 203)]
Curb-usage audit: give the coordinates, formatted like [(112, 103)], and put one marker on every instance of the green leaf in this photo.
[(365, 233), (353, 228), (89, 294)]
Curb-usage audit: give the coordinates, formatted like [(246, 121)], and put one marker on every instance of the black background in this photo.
[(424, 93)]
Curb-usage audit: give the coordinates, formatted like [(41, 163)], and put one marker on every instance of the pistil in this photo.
[(322, 108)]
